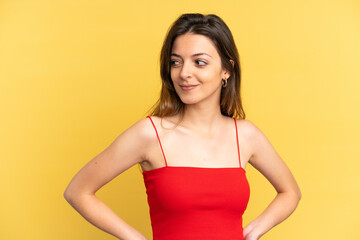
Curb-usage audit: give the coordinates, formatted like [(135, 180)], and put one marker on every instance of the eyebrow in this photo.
[(194, 55)]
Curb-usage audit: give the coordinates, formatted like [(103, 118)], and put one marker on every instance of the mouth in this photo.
[(188, 87)]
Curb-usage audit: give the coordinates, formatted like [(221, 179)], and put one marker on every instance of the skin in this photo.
[(204, 132)]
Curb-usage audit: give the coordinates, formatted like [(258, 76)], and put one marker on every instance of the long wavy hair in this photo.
[(213, 27)]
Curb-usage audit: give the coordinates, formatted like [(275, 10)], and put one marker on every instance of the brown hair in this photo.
[(214, 28)]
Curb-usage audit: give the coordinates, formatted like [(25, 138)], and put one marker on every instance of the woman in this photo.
[(193, 149)]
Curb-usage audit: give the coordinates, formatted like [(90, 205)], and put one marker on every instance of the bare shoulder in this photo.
[(248, 129), (129, 148), (142, 130), (251, 139), (139, 137), (266, 160)]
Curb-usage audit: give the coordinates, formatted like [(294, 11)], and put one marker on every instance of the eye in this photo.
[(201, 62), (174, 62)]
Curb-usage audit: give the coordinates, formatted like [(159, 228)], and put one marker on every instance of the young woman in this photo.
[(193, 149)]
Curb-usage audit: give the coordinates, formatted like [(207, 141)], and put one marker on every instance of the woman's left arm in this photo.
[(266, 160)]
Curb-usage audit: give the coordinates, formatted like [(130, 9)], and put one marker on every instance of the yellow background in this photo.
[(75, 74)]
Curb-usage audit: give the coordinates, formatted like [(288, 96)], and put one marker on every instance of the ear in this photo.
[(232, 62), (226, 73)]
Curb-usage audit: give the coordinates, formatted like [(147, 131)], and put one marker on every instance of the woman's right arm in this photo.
[(128, 149)]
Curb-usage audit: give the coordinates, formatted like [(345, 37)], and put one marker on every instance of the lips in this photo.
[(188, 87)]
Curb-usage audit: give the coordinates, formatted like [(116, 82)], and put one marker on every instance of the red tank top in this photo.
[(194, 203)]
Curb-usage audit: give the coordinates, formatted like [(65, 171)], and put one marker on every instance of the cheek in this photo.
[(173, 74), (212, 76)]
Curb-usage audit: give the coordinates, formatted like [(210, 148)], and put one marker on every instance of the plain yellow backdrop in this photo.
[(75, 74)]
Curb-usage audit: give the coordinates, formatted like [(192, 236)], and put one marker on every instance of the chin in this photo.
[(188, 100)]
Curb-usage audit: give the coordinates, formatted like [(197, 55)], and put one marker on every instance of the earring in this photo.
[(224, 82)]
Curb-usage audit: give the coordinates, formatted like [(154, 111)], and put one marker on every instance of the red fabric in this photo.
[(195, 202)]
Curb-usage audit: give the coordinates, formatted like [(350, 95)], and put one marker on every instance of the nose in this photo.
[(186, 71)]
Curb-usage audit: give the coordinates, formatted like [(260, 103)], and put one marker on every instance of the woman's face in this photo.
[(196, 69)]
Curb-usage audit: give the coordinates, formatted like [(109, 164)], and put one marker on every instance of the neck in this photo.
[(202, 117)]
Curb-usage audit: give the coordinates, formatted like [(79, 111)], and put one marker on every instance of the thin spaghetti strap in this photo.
[(158, 139), (237, 141)]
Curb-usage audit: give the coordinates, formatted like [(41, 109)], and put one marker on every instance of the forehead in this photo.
[(190, 44)]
